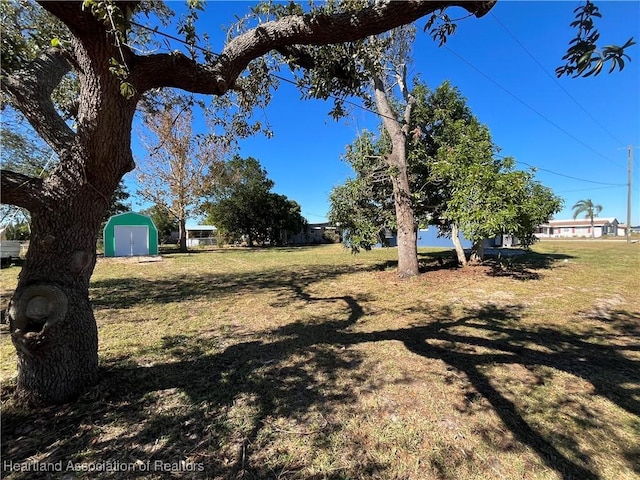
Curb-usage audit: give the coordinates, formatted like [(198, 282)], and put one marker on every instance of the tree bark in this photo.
[(397, 161), (407, 233), (50, 316), (455, 237), (183, 234)]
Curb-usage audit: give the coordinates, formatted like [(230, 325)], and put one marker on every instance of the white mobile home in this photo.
[(579, 228)]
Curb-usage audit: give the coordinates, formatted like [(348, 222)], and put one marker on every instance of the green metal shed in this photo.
[(130, 234)]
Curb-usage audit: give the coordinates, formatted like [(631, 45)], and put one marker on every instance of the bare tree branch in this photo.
[(30, 90), (20, 190)]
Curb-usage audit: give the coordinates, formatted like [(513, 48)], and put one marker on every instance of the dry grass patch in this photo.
[(311, 363)]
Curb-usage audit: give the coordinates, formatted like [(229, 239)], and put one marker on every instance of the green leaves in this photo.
[(127, 90), (443, 29), (241, 203), (122, 72), (583, 58), (453, 173)]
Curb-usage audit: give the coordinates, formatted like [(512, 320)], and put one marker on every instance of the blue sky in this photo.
[(504, 65)]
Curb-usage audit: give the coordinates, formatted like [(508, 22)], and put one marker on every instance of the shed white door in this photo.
[(131, 240)]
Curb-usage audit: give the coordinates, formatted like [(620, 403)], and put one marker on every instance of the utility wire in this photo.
[(531, 108), (286, 80), (562, 174), (555, 80), (589, 189), (279, 77), (572, 177)]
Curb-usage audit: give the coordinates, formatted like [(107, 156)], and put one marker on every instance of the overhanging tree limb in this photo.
[(31, 90), (179, 71), (20, 190)]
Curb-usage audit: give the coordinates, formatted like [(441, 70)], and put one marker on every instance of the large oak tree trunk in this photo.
[(51, 319), (50, 316)]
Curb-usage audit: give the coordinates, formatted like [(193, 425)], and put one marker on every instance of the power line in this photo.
[(555, 80), (279, 77), (156, 31), (572, 177), (589, 189), (531, 108), (562, 174)]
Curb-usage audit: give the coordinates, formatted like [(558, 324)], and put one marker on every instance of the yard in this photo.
[(311, 363)]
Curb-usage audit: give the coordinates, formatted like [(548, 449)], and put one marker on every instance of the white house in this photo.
[(580, 228), (201, 235)]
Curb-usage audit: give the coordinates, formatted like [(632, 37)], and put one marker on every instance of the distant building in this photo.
[(130, 234), (581, 228), (314, 233), (201, 235)]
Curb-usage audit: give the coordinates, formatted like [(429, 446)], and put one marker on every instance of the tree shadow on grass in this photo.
[(130, 292), (210, 409), (522, 266), (218, 405), (506, 342)]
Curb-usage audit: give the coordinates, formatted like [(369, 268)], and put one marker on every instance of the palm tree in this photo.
[(589, 209)]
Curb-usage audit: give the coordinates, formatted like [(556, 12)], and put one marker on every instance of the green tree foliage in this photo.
[(17, 231), (456, 179), (585, 57), (589, 209), (363, 207), (241, 204), (165, 223)]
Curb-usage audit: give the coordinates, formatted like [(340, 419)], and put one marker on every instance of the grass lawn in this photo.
[(311, 363)]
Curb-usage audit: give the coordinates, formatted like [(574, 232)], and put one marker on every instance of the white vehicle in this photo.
[(9, 251)]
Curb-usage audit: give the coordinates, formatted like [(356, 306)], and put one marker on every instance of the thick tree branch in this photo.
[(181, 72), (393, 127), (178, 71), (80, 21), (20, 190), (30, 90)]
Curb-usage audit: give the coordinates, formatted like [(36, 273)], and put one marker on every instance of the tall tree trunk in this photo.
[(183, 234), (455, 237), (50, 316), (51, 320), (397, 160), (407, 232)]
